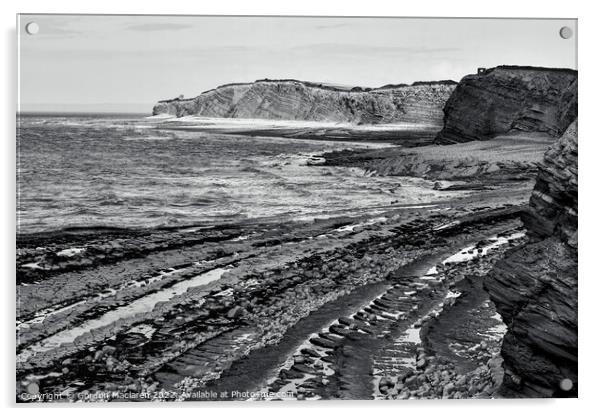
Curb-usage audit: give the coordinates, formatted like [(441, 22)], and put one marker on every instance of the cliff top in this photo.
[(324, 86), (529, 68)]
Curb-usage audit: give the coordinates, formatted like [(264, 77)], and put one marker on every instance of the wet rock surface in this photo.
[(149, 332), (393, 346), (44, 255), (503, 161)]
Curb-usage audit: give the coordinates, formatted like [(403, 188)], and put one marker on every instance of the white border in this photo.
[(590, 142)]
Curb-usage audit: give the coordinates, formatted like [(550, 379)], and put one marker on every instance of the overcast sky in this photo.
[(127, 63)]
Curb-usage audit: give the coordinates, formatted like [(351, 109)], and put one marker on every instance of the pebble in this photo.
[(235, 312)]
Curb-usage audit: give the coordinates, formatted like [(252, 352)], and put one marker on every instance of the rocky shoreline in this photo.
[(187, 341), (471, 296)]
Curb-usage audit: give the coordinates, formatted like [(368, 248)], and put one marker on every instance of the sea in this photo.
[(132, 171)]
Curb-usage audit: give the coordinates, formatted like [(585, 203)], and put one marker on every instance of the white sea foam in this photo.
[(254, 123)]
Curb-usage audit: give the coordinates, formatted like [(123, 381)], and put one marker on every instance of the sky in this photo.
[(127, 63)]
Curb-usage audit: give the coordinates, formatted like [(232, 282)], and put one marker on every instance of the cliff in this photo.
[(510, 98), (421, 102), (534, 287)]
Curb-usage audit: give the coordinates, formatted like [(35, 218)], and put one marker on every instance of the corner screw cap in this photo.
[(566, 32), (32, 28)]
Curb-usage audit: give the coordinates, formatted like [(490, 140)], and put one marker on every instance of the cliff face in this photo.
[(554, 200), (535, 287), (506, 98), (296, 100)]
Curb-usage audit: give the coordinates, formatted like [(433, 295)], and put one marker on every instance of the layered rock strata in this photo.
[(510, 98), (296, 100), (535, 286), (509, 159)]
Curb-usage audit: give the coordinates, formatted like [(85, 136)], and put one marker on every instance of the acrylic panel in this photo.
[(295, 208)]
